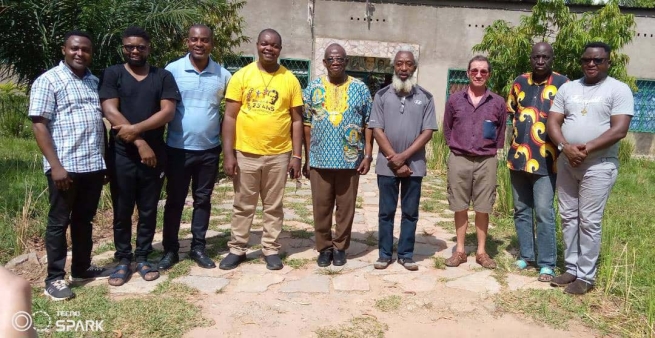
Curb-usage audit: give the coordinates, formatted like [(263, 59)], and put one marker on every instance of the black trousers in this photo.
[(76, 206), (198, 168), (133, 183)]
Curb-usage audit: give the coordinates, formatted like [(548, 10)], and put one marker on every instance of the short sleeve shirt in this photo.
[(138, 101), (197, 121), (72, 108), (402, 120), (337, 115), (587, 111), (531, 149), (263, 125)]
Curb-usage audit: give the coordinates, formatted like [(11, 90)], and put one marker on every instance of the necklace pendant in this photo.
[(584, 111)]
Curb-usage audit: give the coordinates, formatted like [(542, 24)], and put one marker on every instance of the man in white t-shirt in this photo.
[(587, 120)]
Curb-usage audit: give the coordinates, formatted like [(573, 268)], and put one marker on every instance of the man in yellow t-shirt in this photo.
[(262, 142)]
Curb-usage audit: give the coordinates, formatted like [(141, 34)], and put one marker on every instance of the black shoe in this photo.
[(202, 259), (170, 258), (231, 261), (92, 273), (324, 258), (578, 287), (339, 258), (273, 262), (58, 290), (382, 263), (563, 280)]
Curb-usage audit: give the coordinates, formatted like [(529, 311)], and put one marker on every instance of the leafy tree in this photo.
[(626, 3), (508, 47), (33, 30)]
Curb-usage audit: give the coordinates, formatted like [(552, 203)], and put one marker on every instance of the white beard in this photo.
[(403, 86)]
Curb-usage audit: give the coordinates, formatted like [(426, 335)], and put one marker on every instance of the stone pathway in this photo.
[(303, 300)]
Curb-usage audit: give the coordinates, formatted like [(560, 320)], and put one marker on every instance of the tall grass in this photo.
[(504, 198), (437, 153), (13, 113)]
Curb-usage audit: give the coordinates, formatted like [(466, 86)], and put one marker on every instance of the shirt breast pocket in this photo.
[(490, 127)]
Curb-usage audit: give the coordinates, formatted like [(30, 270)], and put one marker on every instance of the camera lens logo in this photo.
[(23, 321)]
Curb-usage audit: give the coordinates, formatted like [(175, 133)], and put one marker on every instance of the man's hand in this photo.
[(230, 165), (305, 170), (148, 156), (127, 132), (60, 176), (403, 171), (396, 161), (365, 166), (576, 153), (294, 167)]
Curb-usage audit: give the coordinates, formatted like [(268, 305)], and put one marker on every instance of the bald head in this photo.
[(541, 60), (542, 47), (335, 49)]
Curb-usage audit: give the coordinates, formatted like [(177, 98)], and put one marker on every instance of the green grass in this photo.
[(389, 303), (358, 327)]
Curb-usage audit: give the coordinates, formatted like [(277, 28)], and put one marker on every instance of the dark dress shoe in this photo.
[(202, 259), (339, 258), (324, 258), (273, 262), (231, 261), (170, 258)]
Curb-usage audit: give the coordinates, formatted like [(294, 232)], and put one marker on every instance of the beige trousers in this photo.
[(264, 175)]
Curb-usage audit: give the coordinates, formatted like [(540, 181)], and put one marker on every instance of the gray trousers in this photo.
[(582, 194)]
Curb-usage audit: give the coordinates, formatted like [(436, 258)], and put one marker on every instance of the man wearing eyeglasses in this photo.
[(531, 159), (403, 120), (138, 99), (474, 129), (587, 120), (338, 149)]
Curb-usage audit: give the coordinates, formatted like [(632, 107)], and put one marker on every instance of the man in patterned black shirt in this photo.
[(531, 160)]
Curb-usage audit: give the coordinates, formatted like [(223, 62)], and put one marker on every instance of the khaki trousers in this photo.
[(264, 175), (330, 186)]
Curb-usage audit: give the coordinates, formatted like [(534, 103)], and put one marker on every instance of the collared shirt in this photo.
[(474, 130), (402, 120), (337, 115), (531, 149), (197, 121), (72, 108)]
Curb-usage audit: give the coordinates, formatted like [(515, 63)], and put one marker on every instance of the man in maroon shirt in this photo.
[(474, 128)]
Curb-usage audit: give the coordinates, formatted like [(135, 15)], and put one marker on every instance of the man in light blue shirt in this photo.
[(194, 145)]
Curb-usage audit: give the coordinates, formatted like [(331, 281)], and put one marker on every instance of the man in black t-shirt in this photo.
[(138, 100)]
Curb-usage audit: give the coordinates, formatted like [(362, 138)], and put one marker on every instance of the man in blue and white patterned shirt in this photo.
[(67, 124), (338, 148)]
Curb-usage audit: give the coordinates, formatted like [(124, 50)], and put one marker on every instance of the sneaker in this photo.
[(273, 262), (563, 279), (382, 263), (408, 263), (339, 258), (92, 273), (579, 287), (231, 261), (58, 290), (324, 258)]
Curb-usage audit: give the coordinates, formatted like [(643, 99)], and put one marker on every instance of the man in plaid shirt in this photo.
[(67, 124)]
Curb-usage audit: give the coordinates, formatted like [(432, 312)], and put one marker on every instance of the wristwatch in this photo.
[(561, 145)]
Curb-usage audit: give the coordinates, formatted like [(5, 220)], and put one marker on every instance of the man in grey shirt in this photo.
[(587, 120), (402, 120)]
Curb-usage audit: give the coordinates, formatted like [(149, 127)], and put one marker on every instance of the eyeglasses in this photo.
[(482, 72), (140, 48), (402, 105), (597, 61), (331, 60)]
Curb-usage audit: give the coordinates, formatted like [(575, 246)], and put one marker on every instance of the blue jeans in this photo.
[(410, 194), (533, 194)]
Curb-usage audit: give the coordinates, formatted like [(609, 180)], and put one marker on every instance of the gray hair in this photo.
[(406, 49)]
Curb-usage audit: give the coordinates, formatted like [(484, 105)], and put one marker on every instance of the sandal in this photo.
[(120, 275), (546, 274), (521, 264), (144, 268), (486, 261)]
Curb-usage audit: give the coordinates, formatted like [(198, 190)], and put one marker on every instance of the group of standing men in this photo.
[(262, 138)]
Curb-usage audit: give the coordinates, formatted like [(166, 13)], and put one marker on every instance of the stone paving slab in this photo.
[(350, 282), (261, 269), (136, 285), (309, 284), (519, 282), (203, 283), (479, 282), (257, 282), (216, 272)]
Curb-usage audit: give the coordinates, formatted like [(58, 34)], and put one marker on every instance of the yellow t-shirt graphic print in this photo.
[(263, 125)]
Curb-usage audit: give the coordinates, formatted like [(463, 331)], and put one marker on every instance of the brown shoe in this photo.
[(563, 279), (456, 259), (579, 287), (486, 261)]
